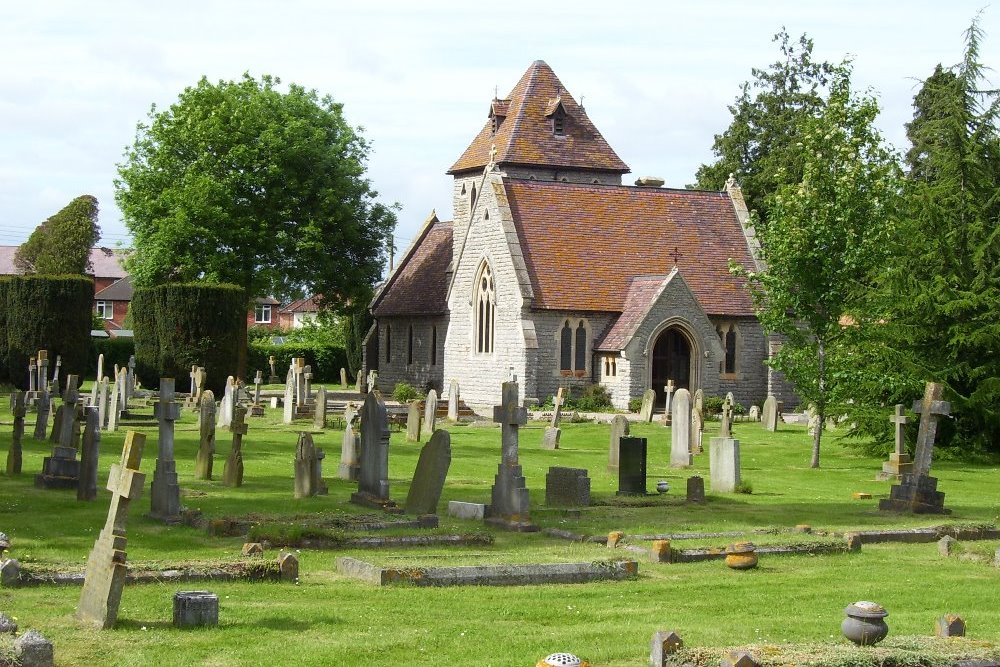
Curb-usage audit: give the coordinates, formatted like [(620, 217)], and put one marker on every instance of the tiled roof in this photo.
[(106, 262), (525, 136), (267, 300), (120, 290), (419, 285), (583, 243), (642, 292), (307, 305)]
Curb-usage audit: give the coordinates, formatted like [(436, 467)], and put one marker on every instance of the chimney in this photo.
[(649, 182)]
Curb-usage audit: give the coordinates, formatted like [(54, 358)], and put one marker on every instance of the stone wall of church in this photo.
[(749, 382), (563, 175), (548, 329), (418, 366)]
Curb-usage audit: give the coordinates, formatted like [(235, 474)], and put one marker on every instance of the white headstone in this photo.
[(680, 429)]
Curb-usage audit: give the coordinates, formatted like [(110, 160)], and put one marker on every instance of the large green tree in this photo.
[(826, 239), (61, 245), (759, 148), (241, 182)]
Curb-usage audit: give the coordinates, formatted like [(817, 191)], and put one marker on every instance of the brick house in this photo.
[(265, 313), (556, 272), (297, 313)]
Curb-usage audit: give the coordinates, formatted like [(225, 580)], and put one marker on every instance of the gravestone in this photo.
[(106, 569), (695, 489), (899, 462), (430, 474), (680, 432), (918, 491), (97, 379), (43, 372), (754, 413), (257, 408), (698, 401), (550, 440), (724, 464), (730, 399), (165, 492), (343, 377), (67, 425), (359, 383), (273, 378), (770, 416), (55, 375), (62, 470), (567, 487), (413, 422), (307, 376), (725, 422), (318, 483), (288, 403), (124, 396), (697, 427), (205, 458), (195, 609), (89, 452), (453, 401), (32, 375), (510, 506), (114, 410), (102, 403), (305, 467), (373, 474), (668, 391), (372, 380), (319, 413), (619, 429), (193, 392), (430, 414), (43, 409), (15, 453), (350, 446), (648, 401), (632, 467), (232, 473), (228, 404)]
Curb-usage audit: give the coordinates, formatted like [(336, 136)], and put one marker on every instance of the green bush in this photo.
[(713, 405), (596, 398), (4, 289), (48, 313), (145, 342), (326, 360), (635, 404), (115, 351), (404, 392)]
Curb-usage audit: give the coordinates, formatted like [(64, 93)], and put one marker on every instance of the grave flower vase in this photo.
[(865, 623)]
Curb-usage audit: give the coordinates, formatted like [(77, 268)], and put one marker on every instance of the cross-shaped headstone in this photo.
[(258, 380), (166, 411), (32, 375), (70, 397), (165, 493), (900, 420), (233, 471), (510, 416), (194, 379), (43, 370), (725, 431), (557, 411), (930, 408), (55, 375), (669, 391)]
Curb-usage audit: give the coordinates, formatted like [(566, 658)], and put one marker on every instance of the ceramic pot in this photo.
[(865, 623)]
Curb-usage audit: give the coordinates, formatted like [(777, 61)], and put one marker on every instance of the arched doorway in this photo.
[(671, 360)]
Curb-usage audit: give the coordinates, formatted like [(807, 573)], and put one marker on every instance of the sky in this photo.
[(656, 78)]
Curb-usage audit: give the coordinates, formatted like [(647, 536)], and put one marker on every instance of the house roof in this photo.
[(525, 135), (307, 305), (642, 292), (266, 300), (583, 244), (120, 290), (105, 262), (419, 284)]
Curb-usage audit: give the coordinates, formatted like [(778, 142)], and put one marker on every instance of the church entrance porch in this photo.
[(671, 360)]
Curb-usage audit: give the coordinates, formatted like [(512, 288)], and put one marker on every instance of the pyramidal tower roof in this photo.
[(540, 124)]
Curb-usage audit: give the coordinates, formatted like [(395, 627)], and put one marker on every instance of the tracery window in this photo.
[(573, 347), (485, 310)]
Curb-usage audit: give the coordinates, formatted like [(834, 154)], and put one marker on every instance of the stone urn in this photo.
[(741, 556), (662, 486), (865, 623), (562, 660)]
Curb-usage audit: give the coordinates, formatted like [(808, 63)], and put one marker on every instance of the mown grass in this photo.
[(330, 619)]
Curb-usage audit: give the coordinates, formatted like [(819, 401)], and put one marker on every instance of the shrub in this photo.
[(325, 360), (713, 405), (744, 487), (596, 398), (4, 289), (47, 313), (145, 342), (634, 404), (404, 392)]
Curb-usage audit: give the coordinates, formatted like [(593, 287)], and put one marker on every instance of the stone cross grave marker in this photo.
[(373, 474), (668, 391), (106, 569), (899, 462), (43, 372), (232, 474), (15, 454), (724, 464), (273, 379), (646, 411), (730, 399), (632, 467), (288, 403), (298, 372), (511, 505), (305, 466), (61, 470), (69, 412), (680, 430), (725, 423), (770, 416), (931, 408), (319, 413), (55, 374), (343, 377), (205, 459), (129, 381), (453, 400), (550, 439), (350, 446), (258, 381), (194, 381), (89, 453), (619, 429), (43, 406), (165, 492), (429, 476), (307, 375), (430, 414), (32, 375), (413, 418)]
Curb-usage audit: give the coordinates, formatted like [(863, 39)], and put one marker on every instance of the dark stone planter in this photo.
[(865, 623)]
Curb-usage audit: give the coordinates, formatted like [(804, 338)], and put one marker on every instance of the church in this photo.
[(555, 272)]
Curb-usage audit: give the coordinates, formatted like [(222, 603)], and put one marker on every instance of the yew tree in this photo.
[(61, 245)]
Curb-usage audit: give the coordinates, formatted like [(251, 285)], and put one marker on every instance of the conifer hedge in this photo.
[(4, 372), (177, 325), (53, 313)]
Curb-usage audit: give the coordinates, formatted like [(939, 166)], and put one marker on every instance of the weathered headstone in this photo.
[(55, 375), (430, 414), (350, 446), (770, 416), (43, 372), (698, 401), (726, 421), (430, 474), (288, 403), (205, 458), (343, 377), (97, 379), (32, 375), (695, 489), (232, 474), (510, 507), (62, 470), (307, 376), (319, 414), (413, 419), (372, 380), (89, 453), (567, 487), (195, 609), (918, 491), (453, 401), (273, 378), (697, 426), (305, 466), (373, 474), (114, 410), (102, 402), (550, 440), (228, 404), (899, 462), (680, 433), (619, 429), (724, 464), (668, 391), (257, 408), (43, 409), (67, 425), (754, 413), (632, 467), (106, 569), (648, 401), (15, 453), (730, 399), (165, 492)]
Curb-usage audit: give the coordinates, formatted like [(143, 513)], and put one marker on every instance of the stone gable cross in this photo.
[(900, 420), (510, 416), (930, 408)]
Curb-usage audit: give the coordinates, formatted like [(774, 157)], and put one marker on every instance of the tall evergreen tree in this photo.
[(61, 244)]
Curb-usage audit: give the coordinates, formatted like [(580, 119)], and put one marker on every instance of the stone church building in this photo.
[(554, 271)]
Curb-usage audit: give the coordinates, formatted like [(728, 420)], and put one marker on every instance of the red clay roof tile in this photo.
[(420, 285)]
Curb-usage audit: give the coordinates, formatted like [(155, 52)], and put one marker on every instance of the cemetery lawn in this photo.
[(790, 603)]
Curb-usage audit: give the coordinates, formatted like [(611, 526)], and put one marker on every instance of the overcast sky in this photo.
[(656, 77)]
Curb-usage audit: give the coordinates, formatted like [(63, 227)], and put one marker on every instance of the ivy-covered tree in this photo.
[(61, 245), (759, 146), (827, 237)]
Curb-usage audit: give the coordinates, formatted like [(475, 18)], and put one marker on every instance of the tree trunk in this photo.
[(820, 403)]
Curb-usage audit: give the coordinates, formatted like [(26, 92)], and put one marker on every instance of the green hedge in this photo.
[(115, 351), (190, 323), (326, 360), (51, 313), (4, 289)]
